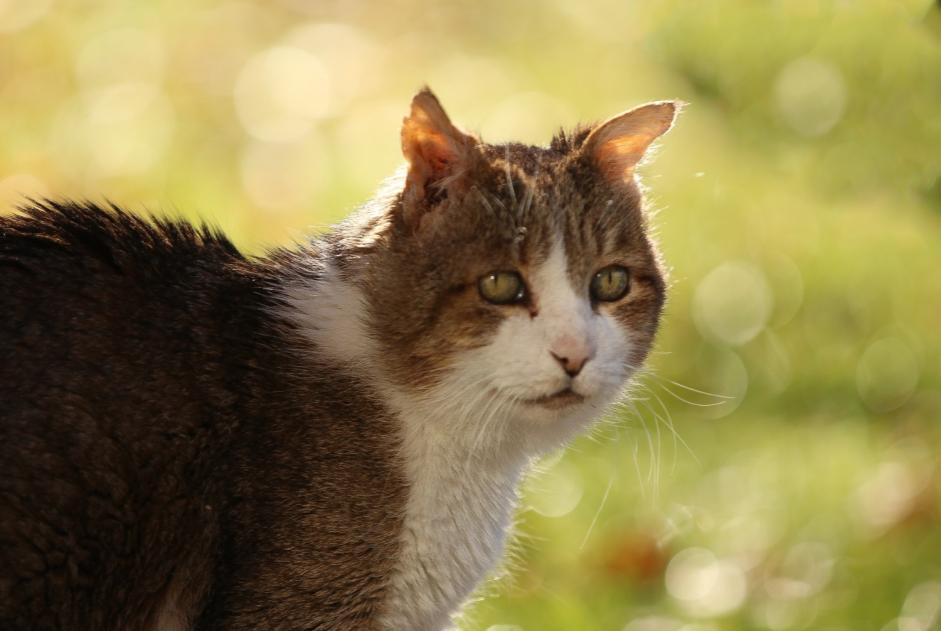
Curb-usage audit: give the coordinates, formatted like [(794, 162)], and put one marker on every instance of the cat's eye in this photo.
[(502, 288), (610, 283)]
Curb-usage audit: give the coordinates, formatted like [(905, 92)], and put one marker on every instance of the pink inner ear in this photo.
[(437, 153), (620, 143), (430, 155), (430, 158), (618, 156)]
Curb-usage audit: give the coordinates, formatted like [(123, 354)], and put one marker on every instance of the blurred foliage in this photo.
[(779, 466)]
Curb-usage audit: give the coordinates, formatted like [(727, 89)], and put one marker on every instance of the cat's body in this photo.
[(164, 441), (326, 438)]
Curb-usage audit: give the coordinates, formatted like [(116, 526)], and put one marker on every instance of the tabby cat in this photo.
[(328, 437)]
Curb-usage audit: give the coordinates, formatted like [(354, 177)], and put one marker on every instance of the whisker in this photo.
[(594, 519), (527, 201), (668, 421), (509, 177), (697, 391), (640, 477), (649, 437), (483, 200), (693, 403)]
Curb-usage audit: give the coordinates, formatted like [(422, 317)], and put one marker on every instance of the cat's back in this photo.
[(65, 255), (78, 283), (101, 301), (110, 356)]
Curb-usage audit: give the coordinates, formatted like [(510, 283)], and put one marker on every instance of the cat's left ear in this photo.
[(438, 155), (616, 146)]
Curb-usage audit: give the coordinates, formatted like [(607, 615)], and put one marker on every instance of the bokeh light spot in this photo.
[(281, 92), (653, 623), (810, 95), (732, 303), (904, 624), (119, 130), (557, 491), (889, 495), (788, 283), (887, 374), (805, 571), (705, 585), (355, 62), (923, 604), (721, 371)]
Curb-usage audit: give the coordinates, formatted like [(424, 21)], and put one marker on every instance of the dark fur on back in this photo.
[(161, 447)]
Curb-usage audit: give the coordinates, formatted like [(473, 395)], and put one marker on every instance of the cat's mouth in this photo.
[(557, 400)]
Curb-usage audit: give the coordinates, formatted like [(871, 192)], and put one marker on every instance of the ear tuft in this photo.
[(618, 145), (437, 152)]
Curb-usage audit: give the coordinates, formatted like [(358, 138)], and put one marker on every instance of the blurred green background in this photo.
[(779, 466)]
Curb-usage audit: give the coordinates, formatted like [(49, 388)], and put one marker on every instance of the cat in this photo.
[(330, 436)]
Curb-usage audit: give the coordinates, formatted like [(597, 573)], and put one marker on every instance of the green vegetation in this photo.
[(780, 467)]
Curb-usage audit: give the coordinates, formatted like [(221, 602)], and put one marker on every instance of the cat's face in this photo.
[(518, 282)]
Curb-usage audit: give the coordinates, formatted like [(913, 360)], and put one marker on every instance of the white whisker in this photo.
[(668, 420), (594, 519), (696, 390), (509, 177)]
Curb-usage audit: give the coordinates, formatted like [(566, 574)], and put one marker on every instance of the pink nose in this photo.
[(571, 354)]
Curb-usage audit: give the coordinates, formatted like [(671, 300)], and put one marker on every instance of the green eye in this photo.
[(610, 283), (502, 288)]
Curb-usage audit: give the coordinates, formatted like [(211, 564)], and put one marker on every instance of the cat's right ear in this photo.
[(438, 155)]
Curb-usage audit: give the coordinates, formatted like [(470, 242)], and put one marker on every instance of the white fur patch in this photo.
[(456, 519), (330, 312)]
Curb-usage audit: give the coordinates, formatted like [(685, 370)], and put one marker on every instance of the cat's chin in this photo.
[(553, 421), (550, 422), (543, 414), (560, 400)]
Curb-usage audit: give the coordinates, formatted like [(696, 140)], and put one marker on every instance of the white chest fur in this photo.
[(457, 517)]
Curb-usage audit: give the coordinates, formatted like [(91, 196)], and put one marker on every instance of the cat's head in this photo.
[(513, 283)]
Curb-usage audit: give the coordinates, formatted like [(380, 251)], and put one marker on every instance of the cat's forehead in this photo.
[(543, 168), (531, 185), (525, 159), (547, 196)]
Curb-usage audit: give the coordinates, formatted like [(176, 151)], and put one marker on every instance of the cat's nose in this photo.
[(572, 359)]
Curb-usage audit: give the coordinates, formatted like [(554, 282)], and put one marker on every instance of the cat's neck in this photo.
[(459, 512)]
